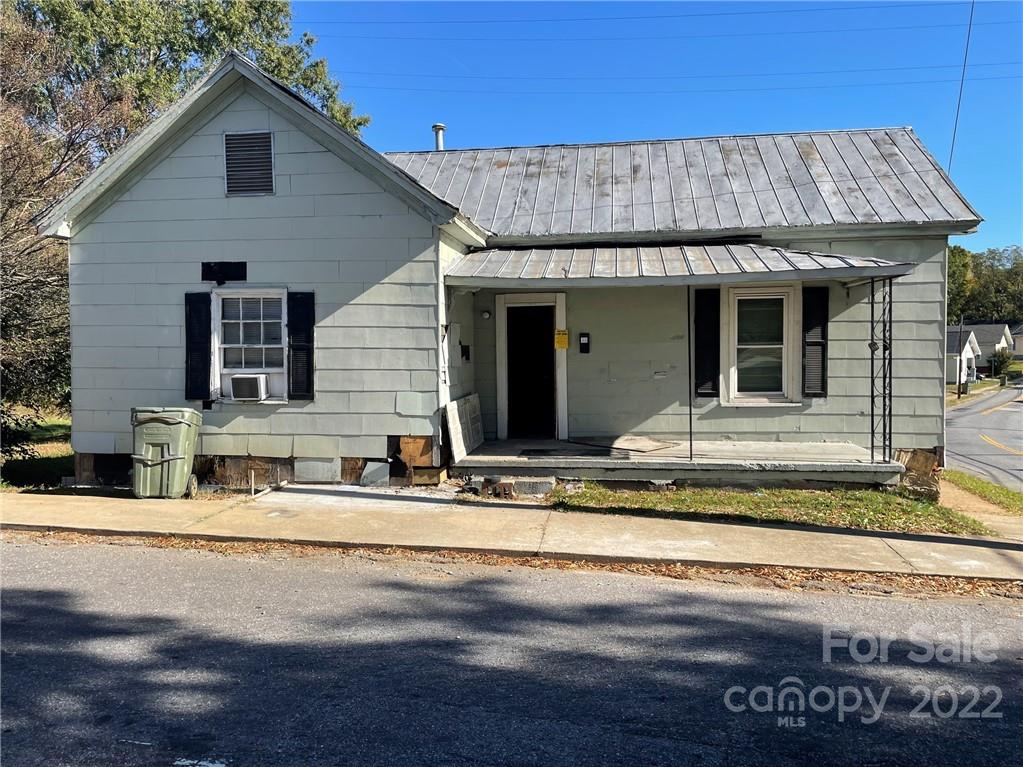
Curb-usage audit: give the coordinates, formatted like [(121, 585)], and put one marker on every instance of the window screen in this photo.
[(252, 333), (250, 167), (760, 345)]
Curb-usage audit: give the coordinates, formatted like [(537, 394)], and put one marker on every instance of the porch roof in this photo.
[(663, 265)]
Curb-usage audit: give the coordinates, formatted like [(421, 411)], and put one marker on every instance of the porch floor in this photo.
[(644, 458)]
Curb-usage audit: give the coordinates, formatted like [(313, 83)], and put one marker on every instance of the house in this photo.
[(961, 353), (1017, 339), (740, 308), (990, 337)]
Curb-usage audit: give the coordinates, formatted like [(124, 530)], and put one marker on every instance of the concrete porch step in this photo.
[(724, 463)]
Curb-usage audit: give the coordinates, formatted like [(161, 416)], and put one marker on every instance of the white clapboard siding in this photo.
[(371, 262)]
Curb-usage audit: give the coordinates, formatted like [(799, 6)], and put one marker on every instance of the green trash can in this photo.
[(165, 440)]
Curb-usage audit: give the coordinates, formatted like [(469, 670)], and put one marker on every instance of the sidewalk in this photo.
[(349, 516)]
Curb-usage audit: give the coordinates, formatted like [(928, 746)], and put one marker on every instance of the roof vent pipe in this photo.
[(438, 134)]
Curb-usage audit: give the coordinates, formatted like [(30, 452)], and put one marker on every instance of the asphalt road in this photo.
[(985, 437), (116, 655)]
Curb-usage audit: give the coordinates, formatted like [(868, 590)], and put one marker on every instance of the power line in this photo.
[(649, 38), (962, 84), (429, 75), (548, 20), (492, 92)]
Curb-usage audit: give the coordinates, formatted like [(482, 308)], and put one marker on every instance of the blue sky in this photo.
[(609, 71)]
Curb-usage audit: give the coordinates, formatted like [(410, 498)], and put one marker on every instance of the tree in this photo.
[(997, 295), (959, 281), (999, 361), (46, 140), (985, 287), (76, 80), (154, 49)]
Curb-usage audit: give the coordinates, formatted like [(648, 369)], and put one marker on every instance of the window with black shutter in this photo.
[(707, 342), (301, 323), (249, 163), (815, 341)]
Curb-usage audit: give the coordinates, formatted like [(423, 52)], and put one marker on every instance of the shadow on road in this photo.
[(462, 673)]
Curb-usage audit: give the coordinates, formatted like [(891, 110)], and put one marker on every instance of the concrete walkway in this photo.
[(331, 515)]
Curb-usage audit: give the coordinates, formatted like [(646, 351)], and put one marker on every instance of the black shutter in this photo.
[(707, 342), (815, 341), (198, 346), (301, 320)]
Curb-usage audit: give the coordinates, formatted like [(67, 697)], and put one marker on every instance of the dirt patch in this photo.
[(1004, 523), (795, 579), (960, 500)]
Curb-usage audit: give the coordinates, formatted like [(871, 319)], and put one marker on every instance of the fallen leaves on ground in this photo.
[(795, 579)]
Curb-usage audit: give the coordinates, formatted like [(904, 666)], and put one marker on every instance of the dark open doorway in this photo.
[(532, 392)]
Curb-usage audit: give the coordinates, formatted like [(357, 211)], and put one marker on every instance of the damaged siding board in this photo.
[(327, 229)]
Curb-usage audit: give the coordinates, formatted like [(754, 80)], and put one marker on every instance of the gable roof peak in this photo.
[(232, 66)]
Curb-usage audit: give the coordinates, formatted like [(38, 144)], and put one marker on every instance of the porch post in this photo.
[(881, 375), (689, 361), (890, 350), (873, 367)]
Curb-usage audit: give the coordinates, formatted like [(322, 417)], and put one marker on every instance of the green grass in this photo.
[(1009, 500), (976, 389), (53, 428), (860, 509), (55, 459)]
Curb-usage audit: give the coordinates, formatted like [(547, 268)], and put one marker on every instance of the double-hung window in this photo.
[(252, 333), (762, 345), (251, 337)]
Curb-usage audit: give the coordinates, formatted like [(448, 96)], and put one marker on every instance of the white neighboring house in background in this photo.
[(1017, 339), (961, 356), (990, 338)]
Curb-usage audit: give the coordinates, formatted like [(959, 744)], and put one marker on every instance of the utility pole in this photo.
[(959, 363)]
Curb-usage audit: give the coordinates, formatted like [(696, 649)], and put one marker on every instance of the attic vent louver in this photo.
[(250, 167)]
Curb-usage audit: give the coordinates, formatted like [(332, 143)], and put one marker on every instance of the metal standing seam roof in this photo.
[(882, 176), (663, 265)]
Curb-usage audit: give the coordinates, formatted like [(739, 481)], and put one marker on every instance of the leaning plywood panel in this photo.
[(465, 426)]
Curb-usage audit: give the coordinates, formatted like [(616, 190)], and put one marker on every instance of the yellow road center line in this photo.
[(999, 445)]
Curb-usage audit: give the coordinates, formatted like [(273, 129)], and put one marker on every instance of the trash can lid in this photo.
[(183, 413)]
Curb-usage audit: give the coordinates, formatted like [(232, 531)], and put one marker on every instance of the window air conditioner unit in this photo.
[(251, 388)]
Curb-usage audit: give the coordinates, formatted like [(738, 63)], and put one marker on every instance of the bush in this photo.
[(1000, 361), (16, 426)]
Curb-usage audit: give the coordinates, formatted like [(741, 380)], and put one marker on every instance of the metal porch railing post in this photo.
[(689, 361), (890, 383), (873, 353)]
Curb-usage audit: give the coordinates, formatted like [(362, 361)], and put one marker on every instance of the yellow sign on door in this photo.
[(560, 339)]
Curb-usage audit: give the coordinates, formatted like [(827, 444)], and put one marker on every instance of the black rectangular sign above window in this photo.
[(224, 271)]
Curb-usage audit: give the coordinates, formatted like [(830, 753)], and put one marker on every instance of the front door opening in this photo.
[(532, 388)]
